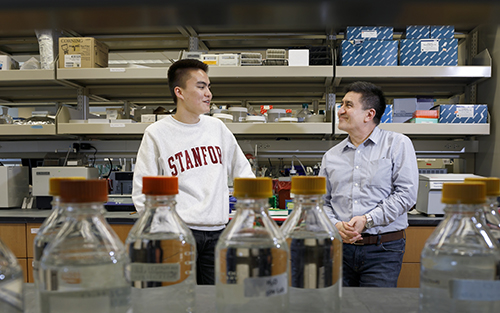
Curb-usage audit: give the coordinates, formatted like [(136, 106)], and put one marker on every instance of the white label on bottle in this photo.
[(263, 287), (72, 60), (168, 272), (465, 111), (475, 290), (34, 230), (369, 34), (116, 125), (429, 45)]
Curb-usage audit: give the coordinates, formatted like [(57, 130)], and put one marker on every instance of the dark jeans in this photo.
[(373, 265), (205, 255)]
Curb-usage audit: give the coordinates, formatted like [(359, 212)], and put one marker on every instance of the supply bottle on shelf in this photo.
[(11, 282), (83, 270), (315, 250), (304, 113), (460, 261), (51, 225), (491, 214), (251, 269), (162, 251)]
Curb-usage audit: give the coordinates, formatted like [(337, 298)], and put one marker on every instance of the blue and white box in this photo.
[(443, 32), (418, 31), (369, 53), (387, 116), (429, 52), (463, 113), (369, 32)]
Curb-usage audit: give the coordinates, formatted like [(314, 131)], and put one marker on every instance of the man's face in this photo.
[(196, 94), (351, 114)]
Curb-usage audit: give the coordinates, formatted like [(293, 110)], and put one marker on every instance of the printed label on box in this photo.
[(465, 111), (429, 46), (73, 60), (369, 34)]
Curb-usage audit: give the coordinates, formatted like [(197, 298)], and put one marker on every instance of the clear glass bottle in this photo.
[(460, 260), (162, 250), (5, 118), (83, 270), (491, 214), (304, 113), (315, 250), (51, 225), (251, 268), (11, 282)]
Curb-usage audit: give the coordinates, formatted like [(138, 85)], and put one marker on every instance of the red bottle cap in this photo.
[(160, 185), (81, 191)]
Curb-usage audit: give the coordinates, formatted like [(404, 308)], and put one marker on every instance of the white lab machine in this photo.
[(42, 175), (14, 185), (429, 191)]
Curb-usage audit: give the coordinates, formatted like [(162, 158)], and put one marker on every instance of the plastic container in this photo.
[(315, 250), (315, 118), (288, 120), (251, 256), (255, 119), (226, 118), (274, 114), (459, 262), (11, 282), (239, 114), (304, 113), (83, 269), (162, 252)]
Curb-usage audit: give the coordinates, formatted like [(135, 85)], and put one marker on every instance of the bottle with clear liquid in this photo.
[(5, 118), (83, 270), (162, 251), (11, 282), (491, 215), (460, 261), (51, 225), (315, 250), (304, 113), (251, 268)]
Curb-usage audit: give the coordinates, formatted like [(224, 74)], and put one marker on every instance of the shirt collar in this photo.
[(373, 138)]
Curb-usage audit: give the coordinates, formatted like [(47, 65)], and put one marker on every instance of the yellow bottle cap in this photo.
[(55, 184), (467, 193), (492, 184), (261, 187), (308, 185)]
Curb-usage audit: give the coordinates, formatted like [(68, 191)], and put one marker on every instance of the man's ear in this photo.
[(178, 93), (370, 115)]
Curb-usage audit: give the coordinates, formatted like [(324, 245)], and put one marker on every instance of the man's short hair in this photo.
[(178, 73), (372, 97)]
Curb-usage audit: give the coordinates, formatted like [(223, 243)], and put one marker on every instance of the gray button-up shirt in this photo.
[(379, 177)]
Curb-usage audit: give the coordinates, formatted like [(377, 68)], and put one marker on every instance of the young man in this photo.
[(372, 182), (201, 152)]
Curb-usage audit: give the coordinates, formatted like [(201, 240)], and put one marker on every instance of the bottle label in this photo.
[(165, 272), (116, 300), (263, 287), (475, 290)]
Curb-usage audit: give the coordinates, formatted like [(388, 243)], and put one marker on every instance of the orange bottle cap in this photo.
[(160, 185), (308, 185), (81, 191), (55, 184)]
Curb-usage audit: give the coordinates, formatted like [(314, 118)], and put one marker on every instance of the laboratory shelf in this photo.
[(279, 128), (30, 130), (433, 129)]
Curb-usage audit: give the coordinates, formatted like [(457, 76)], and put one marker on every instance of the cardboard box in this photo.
[(369, 53), (369, 32), (443, 32), (463, 113), (425, 52), (82, 52), (298, 57), (387, 116), (418, 31), (423, 120), (7, 63)]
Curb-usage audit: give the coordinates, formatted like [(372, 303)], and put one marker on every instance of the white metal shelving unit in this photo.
[(433, 129)]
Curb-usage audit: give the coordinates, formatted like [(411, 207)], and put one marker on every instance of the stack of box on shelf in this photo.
[(82, 52), (429, 45), (369, 46), (275, 57)]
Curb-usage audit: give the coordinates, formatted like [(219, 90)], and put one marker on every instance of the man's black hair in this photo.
[(178, 73), (372, 97)]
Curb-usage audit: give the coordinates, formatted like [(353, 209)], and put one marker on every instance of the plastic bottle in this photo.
[(51, 225), (5, 118), (491, 214), (304, 113), (460, 260), (162, 251), (251, 269), (315, 250), (83, 270), (11, 282)]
